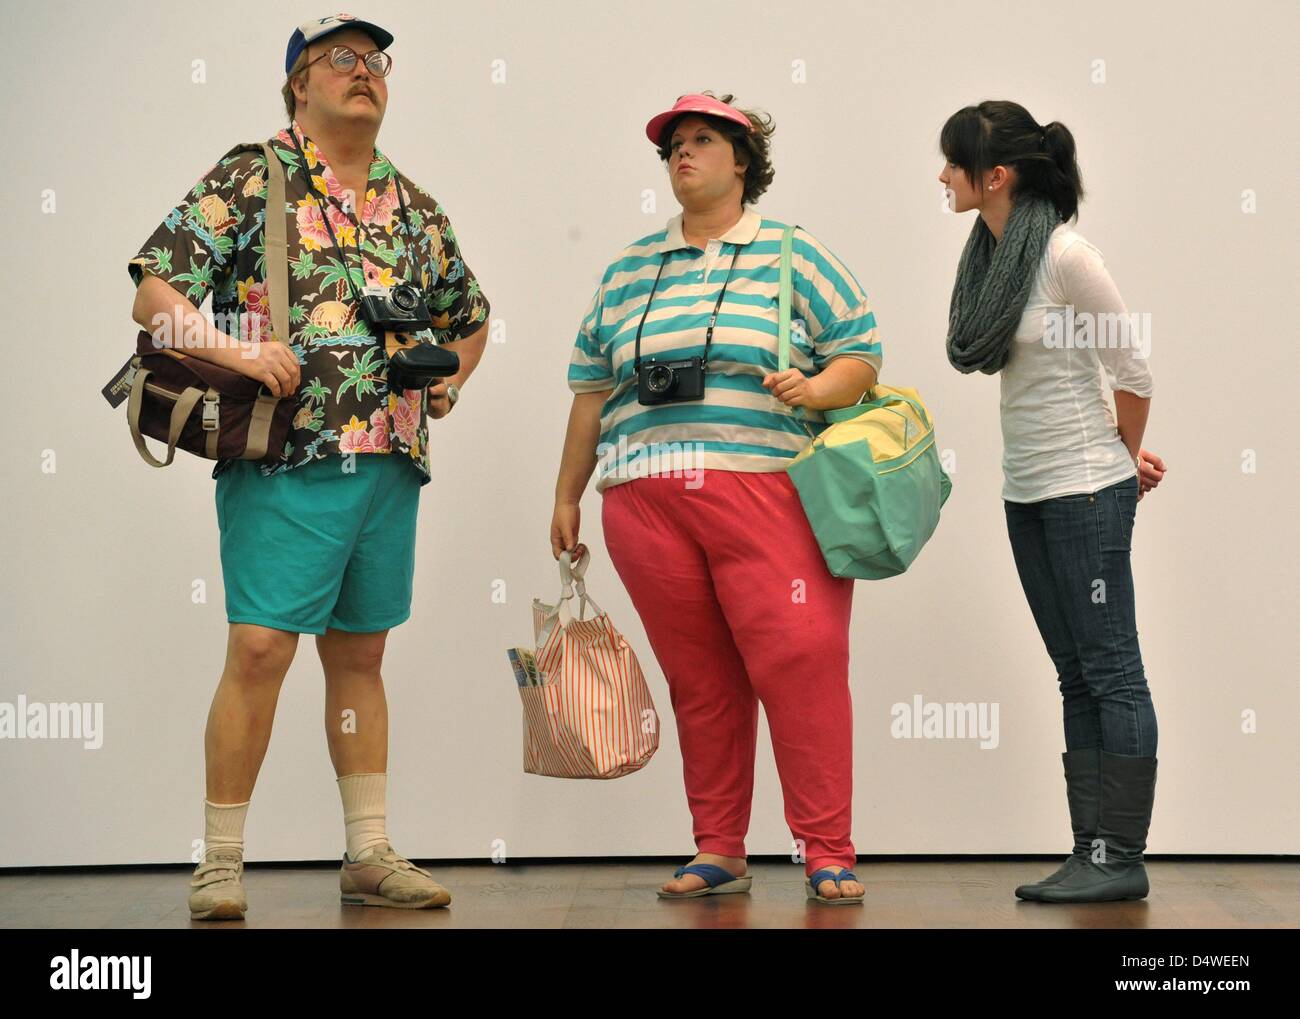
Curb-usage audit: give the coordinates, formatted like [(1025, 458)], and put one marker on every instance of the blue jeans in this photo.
[(1072, 554)]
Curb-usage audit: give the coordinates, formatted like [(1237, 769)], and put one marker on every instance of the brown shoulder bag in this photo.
[(200, 407)]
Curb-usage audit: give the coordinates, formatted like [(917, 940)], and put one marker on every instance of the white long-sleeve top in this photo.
[(1058, 429)]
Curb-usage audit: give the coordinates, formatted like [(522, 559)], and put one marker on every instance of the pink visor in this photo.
[(695, 103)]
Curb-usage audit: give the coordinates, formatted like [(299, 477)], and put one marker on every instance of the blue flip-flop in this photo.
[(719, 881), (826, 874)]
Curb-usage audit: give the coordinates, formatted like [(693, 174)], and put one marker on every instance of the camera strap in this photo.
[(412, 247), (708, 335)]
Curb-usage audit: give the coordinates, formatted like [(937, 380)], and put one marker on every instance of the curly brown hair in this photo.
[(751, 150)]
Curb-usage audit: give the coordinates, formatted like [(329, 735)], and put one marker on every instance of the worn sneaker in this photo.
[(382, 878), (217, 891)]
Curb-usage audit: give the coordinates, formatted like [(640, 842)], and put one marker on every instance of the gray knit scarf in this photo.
[(993, 282)]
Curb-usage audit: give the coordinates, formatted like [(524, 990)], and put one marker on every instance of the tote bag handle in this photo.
[(571, 582)]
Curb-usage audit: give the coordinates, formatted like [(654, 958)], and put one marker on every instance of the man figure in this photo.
[(322, 541)]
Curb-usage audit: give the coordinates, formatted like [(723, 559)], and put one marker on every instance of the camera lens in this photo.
[(405, 296), (660, 379)]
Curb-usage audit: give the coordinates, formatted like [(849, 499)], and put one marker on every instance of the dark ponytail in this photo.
[(1000, 132)]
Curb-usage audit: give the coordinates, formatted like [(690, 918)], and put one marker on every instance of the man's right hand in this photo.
[(564, 530), (274, 365), (167, 313)]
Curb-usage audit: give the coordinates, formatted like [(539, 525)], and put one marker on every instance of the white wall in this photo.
[(543, 178)]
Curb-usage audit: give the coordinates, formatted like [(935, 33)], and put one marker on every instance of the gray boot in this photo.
[(1128, 786), (1083, 792)]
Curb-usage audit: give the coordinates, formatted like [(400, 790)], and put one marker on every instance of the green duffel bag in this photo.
[(870, 483)]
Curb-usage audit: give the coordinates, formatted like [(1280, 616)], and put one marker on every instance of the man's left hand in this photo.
[(439, 402)]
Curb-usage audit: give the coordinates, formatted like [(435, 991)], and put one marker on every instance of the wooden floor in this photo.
[(955, 894)]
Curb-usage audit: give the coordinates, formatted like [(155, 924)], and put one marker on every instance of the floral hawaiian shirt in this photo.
[(213, 242)]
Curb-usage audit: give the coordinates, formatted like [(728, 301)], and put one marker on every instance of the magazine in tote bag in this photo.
[(871, 483), (587, 709)]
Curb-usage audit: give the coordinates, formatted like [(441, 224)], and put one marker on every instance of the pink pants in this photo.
[(739, 608)]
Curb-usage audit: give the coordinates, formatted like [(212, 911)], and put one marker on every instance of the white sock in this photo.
[(363, 812), (223, 827)]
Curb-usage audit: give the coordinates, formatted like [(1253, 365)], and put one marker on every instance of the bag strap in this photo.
[(783, 315), (783, 300), (277, 247), (181, 410), (783, 331)]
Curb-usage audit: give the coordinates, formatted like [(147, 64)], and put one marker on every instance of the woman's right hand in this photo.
[(564, 530), (274, 365)]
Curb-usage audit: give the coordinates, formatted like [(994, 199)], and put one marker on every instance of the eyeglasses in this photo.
[(344, 58)]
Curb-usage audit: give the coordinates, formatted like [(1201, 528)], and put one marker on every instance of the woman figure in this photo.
[(678, 397), (1034, 303)]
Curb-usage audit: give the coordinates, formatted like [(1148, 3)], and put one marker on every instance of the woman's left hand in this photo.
[(793, 388), (1151, 470)]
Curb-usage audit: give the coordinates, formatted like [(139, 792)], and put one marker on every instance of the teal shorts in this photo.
[(319, 547)]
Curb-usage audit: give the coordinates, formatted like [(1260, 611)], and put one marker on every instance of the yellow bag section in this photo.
[(889, 431)]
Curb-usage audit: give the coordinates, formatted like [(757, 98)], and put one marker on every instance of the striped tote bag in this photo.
[(587, 709)]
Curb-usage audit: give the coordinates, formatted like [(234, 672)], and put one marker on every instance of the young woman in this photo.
[(678, 396), (1033, 302)]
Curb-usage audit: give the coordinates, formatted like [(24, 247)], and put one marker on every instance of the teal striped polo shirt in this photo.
[(739, 425)]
